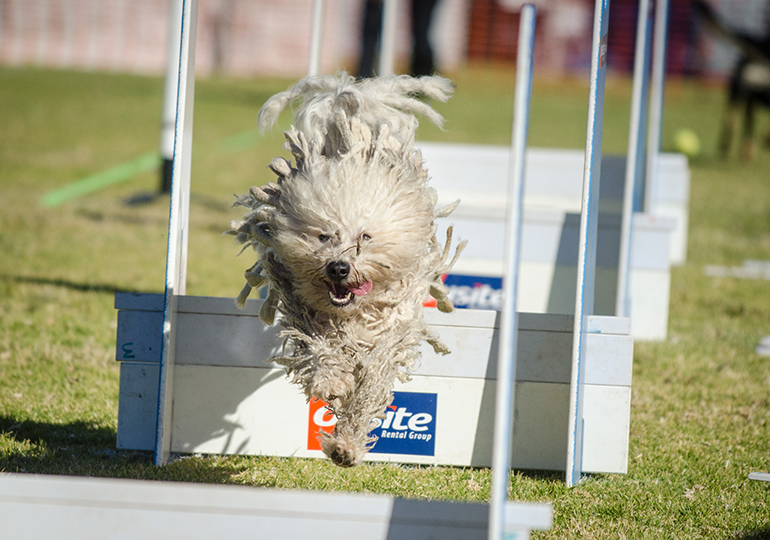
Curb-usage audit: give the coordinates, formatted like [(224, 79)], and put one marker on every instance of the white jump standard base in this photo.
[(67, 508)]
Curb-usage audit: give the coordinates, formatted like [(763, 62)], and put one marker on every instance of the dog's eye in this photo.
[(324, 238), (366, 237)]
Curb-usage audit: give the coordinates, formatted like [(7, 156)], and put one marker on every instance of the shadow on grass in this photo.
[(73, 285), (144, 198), (100, 216), (754, 535), (51, 434), (81, 448), (539, 474)]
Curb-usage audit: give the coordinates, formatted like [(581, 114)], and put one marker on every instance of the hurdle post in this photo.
[(388, 38), (635, 162), (656, 103), (316, 38), (506, 360), (171, 81), (586, 266), (178, 226)]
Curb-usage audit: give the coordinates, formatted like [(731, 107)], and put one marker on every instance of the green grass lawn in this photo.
[(701, 399)]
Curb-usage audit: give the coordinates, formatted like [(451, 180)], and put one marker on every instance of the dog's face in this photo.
[(349, 234)]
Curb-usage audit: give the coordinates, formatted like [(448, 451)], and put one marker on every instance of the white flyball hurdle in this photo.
[(637, 247), (552, 199), (228, 400)]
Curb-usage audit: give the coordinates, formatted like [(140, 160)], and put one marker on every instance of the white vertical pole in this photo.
[(316, 38), (118, 39), (65, 60), (506, 360), (174, 32), (586, 267), (93, 34), (18, 27), (656, 103), (178, 225), (388, 37), (635, 157), (43, 24)]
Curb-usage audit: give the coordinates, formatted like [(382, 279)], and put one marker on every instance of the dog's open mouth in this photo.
[(341, 295)]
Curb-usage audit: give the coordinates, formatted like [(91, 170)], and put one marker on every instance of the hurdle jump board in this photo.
[(548, 266), (69, 508), (476, 174), (227, 400)]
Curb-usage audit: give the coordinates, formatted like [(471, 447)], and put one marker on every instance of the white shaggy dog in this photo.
[(346, 242)]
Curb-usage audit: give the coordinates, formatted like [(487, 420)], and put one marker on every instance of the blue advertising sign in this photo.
[(475, 292), (409, 426)]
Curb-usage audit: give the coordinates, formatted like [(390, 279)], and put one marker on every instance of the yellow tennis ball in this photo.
[(687, 142)]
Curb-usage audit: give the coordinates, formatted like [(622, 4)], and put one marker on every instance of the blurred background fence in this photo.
[(272, 38)]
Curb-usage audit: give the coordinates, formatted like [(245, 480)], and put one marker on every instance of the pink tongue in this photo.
[(362, 289)]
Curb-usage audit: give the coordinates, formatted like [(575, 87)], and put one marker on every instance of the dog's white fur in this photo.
[(356, 199)]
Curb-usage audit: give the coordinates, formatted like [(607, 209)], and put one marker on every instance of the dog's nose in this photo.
[(337, 270)]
